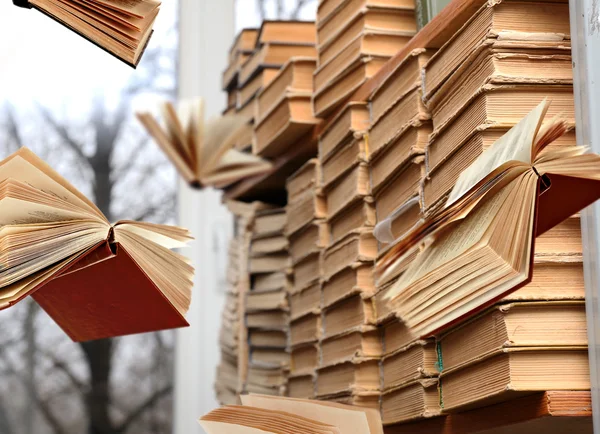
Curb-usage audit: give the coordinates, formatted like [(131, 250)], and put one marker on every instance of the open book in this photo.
[(96, 280), (121, 27), (275, 414), (203, 153), (479, 247)]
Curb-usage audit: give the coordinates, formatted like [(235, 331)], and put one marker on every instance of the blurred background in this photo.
[(74, 106)]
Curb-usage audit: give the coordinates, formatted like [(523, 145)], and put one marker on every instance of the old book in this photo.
[(273, 54), (305, 301), (121, 28), (486, 194), (266, 390), (229, 79), (352, 151), (295, 77), (405, 77), (304, 359), (307, 271), (514, 325), (59, 248), (244, 138), (354, 185), (243, 42), (348, 377), (395, 336), (202, 152), (231, 98), (270, 320), (547, 67), (269, 222), (368, 399), (305, 330), (308, 240), (304, 209), (301, 386), (269, 357), (509, 20), (416, 400), (354, 279), (247, 91), (359, 246), (308, 177), (419, 360), (395, 270), (327, 8), (291, 118), (398, 223), (246, 113), (357, 215), (346, 418), (267, 338), (366, 42), (266, 377), (354, 313), (405, 184), (411, 143), (406, 112), (270, 281), (353, 119), (337, 91), (442, 178), (514, 373), (351, 347), (269, 263), (289, 31), (399, 19), (268, 244), (268, 300)]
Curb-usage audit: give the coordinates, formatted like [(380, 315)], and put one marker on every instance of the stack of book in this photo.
[(355, 38), (307, 235), (350, 348), (266, 308), (239, 53)]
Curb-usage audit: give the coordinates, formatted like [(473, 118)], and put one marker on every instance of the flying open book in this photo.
[(120, 27), (203, 153), (96, 280), (479, 247), (275, 414)]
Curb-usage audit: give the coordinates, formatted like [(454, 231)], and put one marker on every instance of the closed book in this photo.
[(301, 386), (310, 239), (305, 330), (356, 215), (273, 54), (418, 360), (266, 300), (348, 377), (305, 209), (304, 359), (247, 91), (328, 8), (353, 346), (353, 313), (356, 247), (352, 186), (351, 280), (352, 151), (305, 301), (307, 177), (267, 338), (289, 31), (307, 271), (353, 118), (413, 401)]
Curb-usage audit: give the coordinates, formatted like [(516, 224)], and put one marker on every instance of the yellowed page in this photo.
[(515, 145), (137, 8), (227, 428), (159, 238)]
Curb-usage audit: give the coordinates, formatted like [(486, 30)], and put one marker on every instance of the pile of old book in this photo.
[(406, 293)]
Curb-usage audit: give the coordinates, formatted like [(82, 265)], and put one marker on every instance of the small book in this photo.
[(202, 152), (480, 245), (96, 280), (121, 27)]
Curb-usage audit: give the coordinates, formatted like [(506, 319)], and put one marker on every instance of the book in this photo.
[(59, 248), (275, 320), (515, 373), (502, 20), (327, 9), (266, 300), (394, 334), (121, 28), (358, 214), (353, 186), (269, 263), (352, 151), (356, 247), (353, 313), (295, 77), (274, 54), (405, 77), (305, 330), (270, 281), (304, 359), (248, 91), (244, 41), (310, 239), (352, 346), (267, 338), (269, 244), (406, 217), (405, 183), (229, 78), (348, 377), (291, 118), (349, 123), (289, 31), (269, 222), (301, 386), (202, 153), (306, 300), (304, 209), (514, 325), (417, 361), (307, 177), (307, 271), (354, 279), (417, 400), (269, 357), (486, 193)]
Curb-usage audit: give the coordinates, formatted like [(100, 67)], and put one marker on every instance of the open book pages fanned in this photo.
[(479, 247), (271, 414), (203, 153), (96, 280), (120, 27)]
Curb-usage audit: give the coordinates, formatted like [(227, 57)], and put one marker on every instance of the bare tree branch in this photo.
[(13, 129), (262, 12), (74, 145), (300, 4), (63, 367), (145, 405)]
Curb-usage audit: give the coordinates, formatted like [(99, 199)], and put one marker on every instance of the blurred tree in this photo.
[(282, 9)]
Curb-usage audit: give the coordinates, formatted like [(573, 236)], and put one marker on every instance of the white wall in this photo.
[(206, 31)]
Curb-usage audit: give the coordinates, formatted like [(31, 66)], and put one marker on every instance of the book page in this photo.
[(137, 8), (212, 427), (515, 145)]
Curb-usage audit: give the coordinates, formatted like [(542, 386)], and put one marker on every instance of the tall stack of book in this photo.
[(307, 235), (350, 349), (355, 38), (266, 308), (232, 371), (240, 51)]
